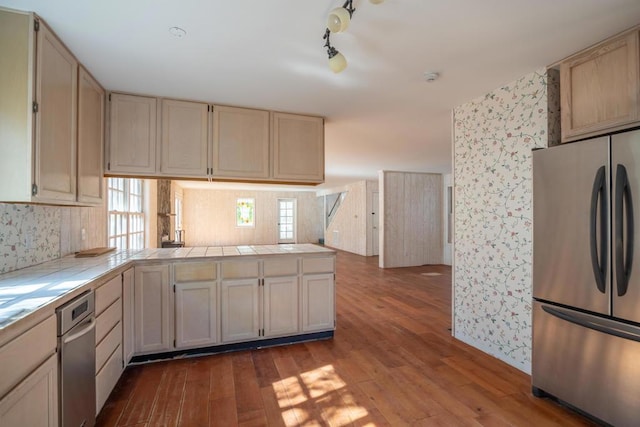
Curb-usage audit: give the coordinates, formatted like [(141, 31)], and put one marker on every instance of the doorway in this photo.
[(375, 251), (286, 220)]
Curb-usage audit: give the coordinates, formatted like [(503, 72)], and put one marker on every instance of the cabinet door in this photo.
[(196, 314), (239, 306), (90, 139), (55, 138), (599, 88), (240, 143), (132, 134), (127, 315), (34, 402), (184, 138), (318, 302), (281, 302), (153, 322), (298, 148)]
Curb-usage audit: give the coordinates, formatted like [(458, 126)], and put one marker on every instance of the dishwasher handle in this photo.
[(91, 325)]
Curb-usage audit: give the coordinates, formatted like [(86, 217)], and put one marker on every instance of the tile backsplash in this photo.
[(32, 234)]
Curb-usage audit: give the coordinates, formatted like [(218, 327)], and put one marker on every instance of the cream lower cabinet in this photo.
[(127, 315), (318, 302), (109, 365), (29, 377), (153, 309), (196, 297), (239, 309), (280, 306), (34, 402)]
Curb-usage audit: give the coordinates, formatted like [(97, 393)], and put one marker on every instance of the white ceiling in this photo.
[(380, 113)]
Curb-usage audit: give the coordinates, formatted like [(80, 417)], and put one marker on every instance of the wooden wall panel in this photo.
[(209, 217), (411, 220)]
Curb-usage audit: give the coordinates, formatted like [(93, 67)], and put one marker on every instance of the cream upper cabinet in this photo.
[(600, 88), (181, 139), (184, 138), (240, 143), (47, 102), (90, 138), (56, 97), (298, 148), (132, 135)]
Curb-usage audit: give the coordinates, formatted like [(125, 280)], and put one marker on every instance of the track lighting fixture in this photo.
[(337, 22)]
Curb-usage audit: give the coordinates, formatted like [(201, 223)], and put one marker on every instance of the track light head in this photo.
[(337, 22)]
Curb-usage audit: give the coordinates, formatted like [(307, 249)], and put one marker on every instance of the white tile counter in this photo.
[(46, 286)]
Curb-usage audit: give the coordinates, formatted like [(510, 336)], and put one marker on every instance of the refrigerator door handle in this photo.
[(599, 263), (601, 325), (624, 255)]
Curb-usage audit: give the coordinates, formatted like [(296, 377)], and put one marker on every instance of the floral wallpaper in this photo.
[(28, 235), (32, 234), (493, 139)]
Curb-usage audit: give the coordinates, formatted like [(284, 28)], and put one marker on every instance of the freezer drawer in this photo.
[(594, 371)]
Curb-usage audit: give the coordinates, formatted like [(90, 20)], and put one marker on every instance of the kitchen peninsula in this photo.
[(160, 303)]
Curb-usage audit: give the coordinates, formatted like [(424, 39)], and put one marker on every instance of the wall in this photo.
[(32, 234), (348, 228), (209, 217), (493, 139), (411, 219)]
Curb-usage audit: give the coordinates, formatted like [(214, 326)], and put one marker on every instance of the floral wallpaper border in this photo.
[(493, 139)]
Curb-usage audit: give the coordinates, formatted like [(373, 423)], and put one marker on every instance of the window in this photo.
[(178, 211), (126, 219), (245, 212)]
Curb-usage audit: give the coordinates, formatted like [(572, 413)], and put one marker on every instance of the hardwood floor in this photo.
[(392, 362)]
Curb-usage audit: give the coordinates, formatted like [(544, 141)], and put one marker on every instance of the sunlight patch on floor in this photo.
[(431, 274), (318, 397)]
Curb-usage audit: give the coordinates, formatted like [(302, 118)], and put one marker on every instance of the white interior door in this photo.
[(286, 220), (374, 224)]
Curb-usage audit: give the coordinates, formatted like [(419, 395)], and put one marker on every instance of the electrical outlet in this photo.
[(83, 234), (28, 241)]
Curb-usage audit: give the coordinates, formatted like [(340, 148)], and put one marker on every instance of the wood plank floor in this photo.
[(392, 362)]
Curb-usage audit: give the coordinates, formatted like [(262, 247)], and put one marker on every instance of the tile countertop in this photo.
[(26, 291)]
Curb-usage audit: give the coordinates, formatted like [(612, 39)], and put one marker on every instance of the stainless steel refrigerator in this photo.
[(586, 276)]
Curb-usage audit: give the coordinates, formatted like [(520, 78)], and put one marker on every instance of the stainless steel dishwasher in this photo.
[(77, 361)]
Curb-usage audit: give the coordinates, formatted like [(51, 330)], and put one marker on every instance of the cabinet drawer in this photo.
[(108, 319), (280, 267), (194, 271), (25, 353), (108, 293), (107, 378), (240, 269), (108, 345), (318, 265)]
